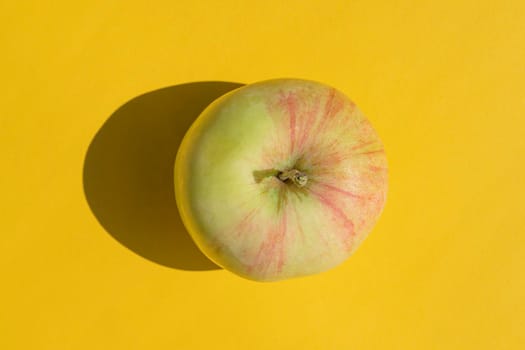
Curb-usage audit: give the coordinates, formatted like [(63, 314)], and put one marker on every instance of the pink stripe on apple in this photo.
[(245, 226), (291, 105), (308, 124), (371, 152), (272, 248), (377, 169), (343, 192), (330, 203), (363, 144), (334, 104)]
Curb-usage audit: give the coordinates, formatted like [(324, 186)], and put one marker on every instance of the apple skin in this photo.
[(238, 210)]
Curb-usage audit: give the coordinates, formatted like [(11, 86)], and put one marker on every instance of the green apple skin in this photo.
[(239, 211)]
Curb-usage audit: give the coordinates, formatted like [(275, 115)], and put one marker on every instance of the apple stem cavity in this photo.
[(299, 178)]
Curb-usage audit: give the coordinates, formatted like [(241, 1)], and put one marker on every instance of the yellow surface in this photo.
[(442, 81)]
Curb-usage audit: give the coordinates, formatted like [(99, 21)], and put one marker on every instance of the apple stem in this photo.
[(300, 179)]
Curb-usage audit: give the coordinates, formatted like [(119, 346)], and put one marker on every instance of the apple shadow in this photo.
[(128, 173)]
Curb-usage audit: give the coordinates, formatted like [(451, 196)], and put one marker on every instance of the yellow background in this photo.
[(443, 82)]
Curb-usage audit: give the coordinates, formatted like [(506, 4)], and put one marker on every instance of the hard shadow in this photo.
[(128, 173)]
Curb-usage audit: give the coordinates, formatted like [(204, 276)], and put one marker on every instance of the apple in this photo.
[(279, 179)]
